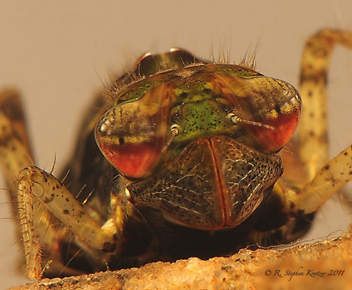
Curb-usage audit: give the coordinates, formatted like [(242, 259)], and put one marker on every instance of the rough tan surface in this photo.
[(322, 265)]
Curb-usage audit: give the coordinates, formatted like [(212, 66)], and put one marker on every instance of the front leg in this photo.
[(47, 211), (63, 205), (36, 185)]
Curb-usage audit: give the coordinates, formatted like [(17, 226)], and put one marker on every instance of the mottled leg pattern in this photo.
[(52, 218), (325, 177), (315, 178), (15, 154), (40, 200)]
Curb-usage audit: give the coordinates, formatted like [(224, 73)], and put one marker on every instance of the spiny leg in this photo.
[(41, 202), (60, 202), (63, 205), (15, 154), (36, 224)]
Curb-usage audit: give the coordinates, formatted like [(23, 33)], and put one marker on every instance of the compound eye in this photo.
[(271, 115), (279, 125), (132, 138), (276, 132)]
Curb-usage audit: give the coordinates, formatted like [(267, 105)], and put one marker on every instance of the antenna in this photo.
[(237, 120)]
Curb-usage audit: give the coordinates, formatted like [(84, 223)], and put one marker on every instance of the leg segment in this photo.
[(46, 209), (290, 204), (324, 178), (63, 205), (312, 134), (15, 154)]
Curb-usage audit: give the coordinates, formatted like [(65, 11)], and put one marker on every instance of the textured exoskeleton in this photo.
[(181, 157)]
